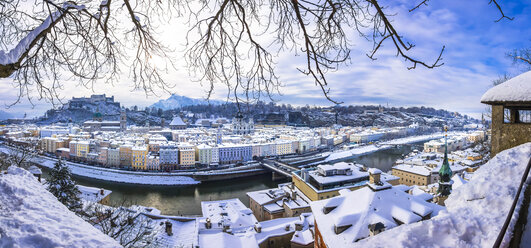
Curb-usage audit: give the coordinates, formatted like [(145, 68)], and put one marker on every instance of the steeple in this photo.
[(445, 174), (97, 116), (123, 120)]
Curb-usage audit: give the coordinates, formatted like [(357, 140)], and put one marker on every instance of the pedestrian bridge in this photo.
[(278, 167)]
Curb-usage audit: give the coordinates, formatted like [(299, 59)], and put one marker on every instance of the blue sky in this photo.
[(474, 56)]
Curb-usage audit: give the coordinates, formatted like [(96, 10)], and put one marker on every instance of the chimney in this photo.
[(226, 227), (102, 192), (169, 230), (208, 223), (130, 220), (258, 227), (374, 176), (298, 226), (286, 228)]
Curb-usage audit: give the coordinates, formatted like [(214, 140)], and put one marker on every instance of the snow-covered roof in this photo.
[(35, 170), (458, 181), (274, 199), (92, 194), (356, 210), (222, 240), (476, 211), (230, 211), (416, 191), (355, 169), (177, 121), (517, 89), (415, 169), (33, 217)]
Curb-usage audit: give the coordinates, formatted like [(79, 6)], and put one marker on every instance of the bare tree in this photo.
[(501, 79), (20, 157), (230, 42), (83, 38), (130, 228), (521, 56)]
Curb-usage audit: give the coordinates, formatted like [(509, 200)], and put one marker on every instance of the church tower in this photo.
[(445, 174), (123, 120), (97, 116), (219, 137)]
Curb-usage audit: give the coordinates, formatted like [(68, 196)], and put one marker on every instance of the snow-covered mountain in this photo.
[(177, 101)]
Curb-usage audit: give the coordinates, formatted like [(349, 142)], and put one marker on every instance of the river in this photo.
[(186, 200)]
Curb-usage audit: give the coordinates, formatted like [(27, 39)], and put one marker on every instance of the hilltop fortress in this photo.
[(80, 102)]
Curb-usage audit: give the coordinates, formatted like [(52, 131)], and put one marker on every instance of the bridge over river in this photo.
[(278, 167)]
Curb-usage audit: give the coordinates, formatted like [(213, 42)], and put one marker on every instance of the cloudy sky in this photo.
[(474, 56)]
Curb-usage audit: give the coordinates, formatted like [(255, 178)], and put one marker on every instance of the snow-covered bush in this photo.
[(61, 185)]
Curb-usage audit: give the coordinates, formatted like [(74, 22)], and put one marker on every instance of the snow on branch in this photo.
[(10, 62)]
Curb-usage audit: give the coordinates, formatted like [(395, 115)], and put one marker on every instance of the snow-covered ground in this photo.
[(118, 175), (361, 150), (475, 212), (30, 216)]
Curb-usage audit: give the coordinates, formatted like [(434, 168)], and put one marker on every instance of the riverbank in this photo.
[(362, 150), (119, 176), (147, 178), (186, 200), (193, 178)]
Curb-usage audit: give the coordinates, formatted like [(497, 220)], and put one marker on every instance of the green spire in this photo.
[(445, 173)]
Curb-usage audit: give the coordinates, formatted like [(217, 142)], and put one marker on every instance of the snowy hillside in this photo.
[(67, 114), (30, 216), (388, 118), (176, 101), (475, 212)]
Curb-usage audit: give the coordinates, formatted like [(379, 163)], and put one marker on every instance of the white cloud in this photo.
[(474, 56)]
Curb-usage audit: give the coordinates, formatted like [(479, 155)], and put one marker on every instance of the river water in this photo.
[(186, 200)]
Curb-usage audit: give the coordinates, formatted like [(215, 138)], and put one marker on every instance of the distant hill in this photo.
[(176, 101), (5, 115), (81, 109), (346, 115)]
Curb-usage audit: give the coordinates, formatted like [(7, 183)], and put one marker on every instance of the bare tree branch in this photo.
[(501, 11), (424, 2), (232, 43), (521, 55)]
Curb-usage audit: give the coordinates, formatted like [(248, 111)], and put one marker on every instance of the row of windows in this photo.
[(516, 115), (411, 181)]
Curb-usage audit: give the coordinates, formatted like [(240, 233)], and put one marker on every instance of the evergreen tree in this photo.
[(63, 187)]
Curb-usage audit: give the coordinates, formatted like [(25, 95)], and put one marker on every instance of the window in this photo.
[(517, 115), (506, 115), (524, 116)]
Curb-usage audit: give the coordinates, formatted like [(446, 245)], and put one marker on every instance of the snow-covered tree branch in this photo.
[(521, 56), (130, 228), (49, 43), (230, 42)]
